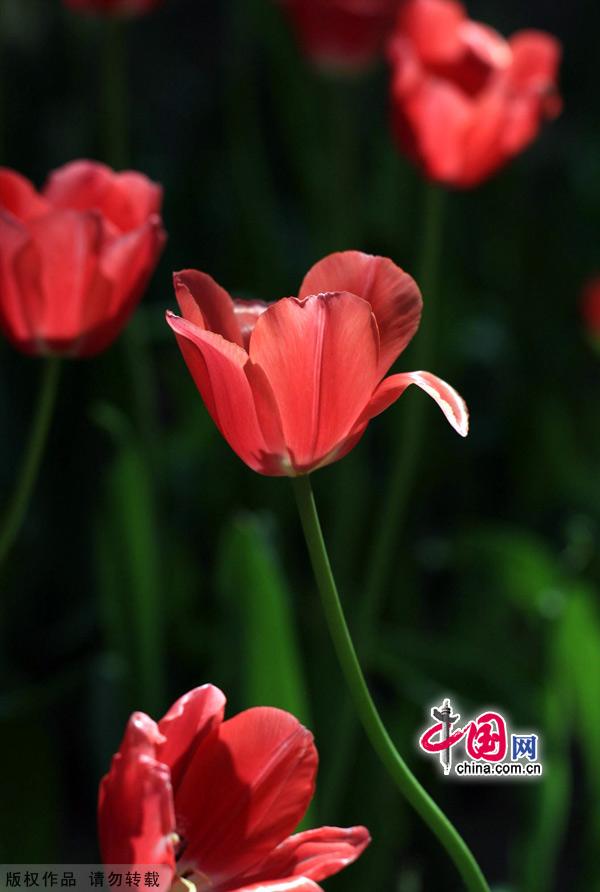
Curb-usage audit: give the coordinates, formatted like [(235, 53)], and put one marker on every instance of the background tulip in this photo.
[(215, 801), (75, 258), (464, 100), (292, 386), (343, 35)]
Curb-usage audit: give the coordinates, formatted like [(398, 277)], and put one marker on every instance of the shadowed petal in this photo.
[(245, 792), (450, 402), (185, 726), (291, 884), (206, 304), (393, 295)]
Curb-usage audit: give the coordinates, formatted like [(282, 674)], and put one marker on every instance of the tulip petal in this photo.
[(393, 295), (14, 321), (291, 884), (135, 810), (245, 791), (206, 304), (320, 356), (19, 197), (217, 367), (63, 291), (315, 854), (126, 199), (186, 725), (450, 402)]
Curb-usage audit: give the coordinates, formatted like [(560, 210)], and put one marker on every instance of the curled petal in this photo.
[(203, 302), (393, 295), (450, 402), (245, 791), (291, 884)]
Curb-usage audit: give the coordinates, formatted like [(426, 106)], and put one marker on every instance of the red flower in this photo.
[(342, 34), (590, 306), (114, 7), (464, 100), (292, 386), (75, 258), (214, 802)]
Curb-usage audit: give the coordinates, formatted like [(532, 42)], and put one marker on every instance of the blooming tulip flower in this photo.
[(464, 99), (213, 802), (590, 307), (343, 35), (76, 257), (293, 385), (114, 7)]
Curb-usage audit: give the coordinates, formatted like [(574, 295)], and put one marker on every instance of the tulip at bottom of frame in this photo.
[(214, 801)]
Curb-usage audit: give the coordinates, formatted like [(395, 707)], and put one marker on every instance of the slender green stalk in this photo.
[(409, 444), (366, 710), (25, 482)]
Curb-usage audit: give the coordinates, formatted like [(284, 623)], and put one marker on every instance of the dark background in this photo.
[(150, 565)]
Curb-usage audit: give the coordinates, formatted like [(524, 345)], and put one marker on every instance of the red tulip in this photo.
[(114, 7), (76, 257), (293, 385), (342, 35), (214, 802), (590, 306), (464, 100)]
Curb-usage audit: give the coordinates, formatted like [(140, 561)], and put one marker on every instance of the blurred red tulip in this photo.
[(590, 306), (76, 257), (344, 35), (114, 7), (214, 802), (464, 100), (293, 385)]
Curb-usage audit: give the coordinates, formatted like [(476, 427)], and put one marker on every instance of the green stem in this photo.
[(367, 712), (409, 445), (17, 507)]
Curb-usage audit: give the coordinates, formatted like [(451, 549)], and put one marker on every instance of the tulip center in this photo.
[(191, 881)]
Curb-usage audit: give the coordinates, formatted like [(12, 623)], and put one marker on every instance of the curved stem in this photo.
[(21, 496), (367, 712)]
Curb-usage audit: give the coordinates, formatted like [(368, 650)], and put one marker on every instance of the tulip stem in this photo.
[(25, 482), (366, 710)]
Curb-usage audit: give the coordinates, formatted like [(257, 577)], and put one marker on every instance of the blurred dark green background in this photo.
[(147, 568)]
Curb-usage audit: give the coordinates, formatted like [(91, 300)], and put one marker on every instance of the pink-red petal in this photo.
[(135, 811), (206, 304), (217, 367), (126, 199), (393, 294), (320, 356), (315, 854), (188, 722), (450, 402), (19, 197), (245, 791)]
